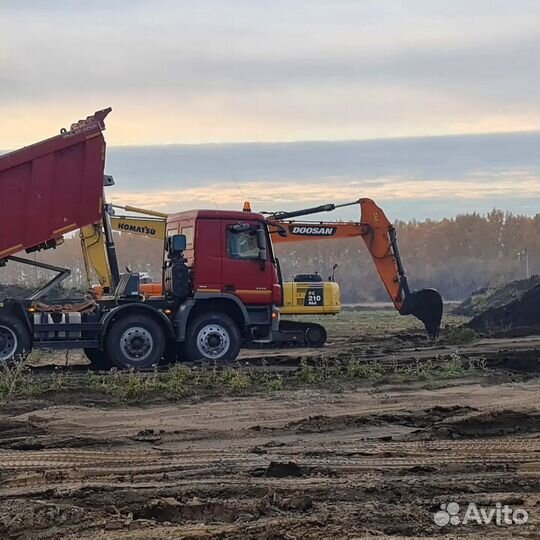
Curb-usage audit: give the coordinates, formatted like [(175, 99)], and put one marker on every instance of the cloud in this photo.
[(237, 70), (415, 177), (225, 195), (423, 158)]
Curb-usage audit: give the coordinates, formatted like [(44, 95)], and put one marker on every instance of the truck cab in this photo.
[(234, 285), (229, 253)]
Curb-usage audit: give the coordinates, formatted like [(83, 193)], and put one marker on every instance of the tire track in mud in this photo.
[(345, 480), (32, 470), (514, 354), (403, 450), (525, 450)]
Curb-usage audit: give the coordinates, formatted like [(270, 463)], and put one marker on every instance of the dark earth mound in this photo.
[(514, 305), (19, 292)]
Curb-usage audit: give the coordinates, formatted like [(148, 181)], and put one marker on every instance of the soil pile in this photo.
[(14, 291), (19, 292), (516, 305)]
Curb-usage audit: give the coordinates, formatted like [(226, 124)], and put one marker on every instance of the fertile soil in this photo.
[(515, 305), (363, 460)]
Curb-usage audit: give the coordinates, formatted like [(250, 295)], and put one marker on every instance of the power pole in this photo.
[(524, 255)]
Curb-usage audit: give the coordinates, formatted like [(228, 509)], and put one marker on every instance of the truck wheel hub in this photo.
[(8, 343), (136, 343), (213, 341)]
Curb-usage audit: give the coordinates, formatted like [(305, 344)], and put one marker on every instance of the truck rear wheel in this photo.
[(15, 339), (135, 341), (212, 337)]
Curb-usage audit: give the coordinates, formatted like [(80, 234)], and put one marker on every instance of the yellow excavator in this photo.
[(306, 294)]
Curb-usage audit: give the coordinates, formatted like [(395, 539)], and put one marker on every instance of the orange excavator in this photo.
[(380, 238)]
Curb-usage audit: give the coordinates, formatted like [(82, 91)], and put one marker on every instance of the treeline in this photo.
[(456, 256)]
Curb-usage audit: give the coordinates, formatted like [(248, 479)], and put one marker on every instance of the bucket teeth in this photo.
[(426, 305)]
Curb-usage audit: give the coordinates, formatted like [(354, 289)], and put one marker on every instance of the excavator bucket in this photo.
[(426, 305)]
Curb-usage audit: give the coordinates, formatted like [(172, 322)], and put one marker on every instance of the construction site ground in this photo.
[(371, 450)]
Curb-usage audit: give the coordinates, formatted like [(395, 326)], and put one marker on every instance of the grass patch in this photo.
[(357, 369), (179, 381), (459, 335), (16, 380)]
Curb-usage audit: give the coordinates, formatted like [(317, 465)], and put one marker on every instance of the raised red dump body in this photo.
[(52, 187)]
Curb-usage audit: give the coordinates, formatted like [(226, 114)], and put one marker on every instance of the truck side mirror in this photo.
[(261, 244), (261, 238), (177, 244)]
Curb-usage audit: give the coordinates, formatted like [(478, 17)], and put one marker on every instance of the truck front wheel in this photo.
[(214, 336), (15, 340), (135, 341)]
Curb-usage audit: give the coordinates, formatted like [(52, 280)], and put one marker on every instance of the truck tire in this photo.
[(135, 341), (15, 339), (99, 359), (212, 337)]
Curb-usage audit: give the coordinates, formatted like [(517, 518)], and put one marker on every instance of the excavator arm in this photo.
[(97, 243), (380, 238), (95, 255)]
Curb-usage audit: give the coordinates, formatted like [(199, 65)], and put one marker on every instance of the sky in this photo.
[(430, 106)]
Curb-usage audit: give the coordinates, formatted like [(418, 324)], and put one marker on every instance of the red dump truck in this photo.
[(221, 284), (224, 297)]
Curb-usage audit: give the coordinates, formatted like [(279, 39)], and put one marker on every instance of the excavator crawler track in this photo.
[(293, 334)]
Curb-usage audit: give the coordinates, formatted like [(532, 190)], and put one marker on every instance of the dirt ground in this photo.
[(361, 461)]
